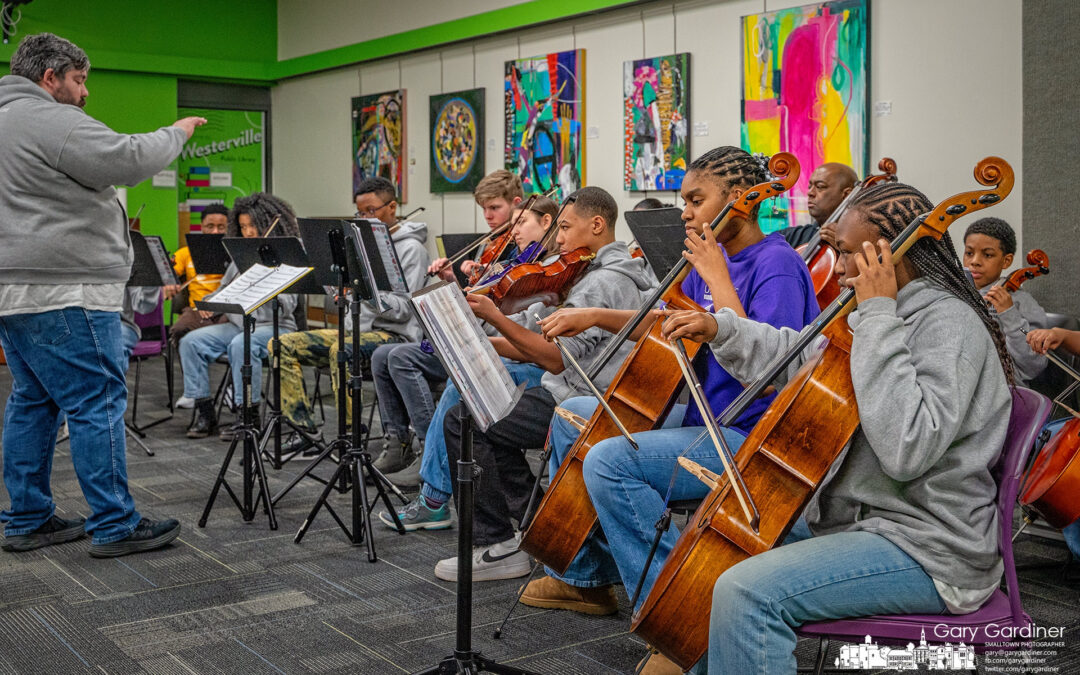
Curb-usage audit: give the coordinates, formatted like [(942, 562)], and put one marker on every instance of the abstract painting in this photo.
[(805, 77), (656, 121), (545, 113), (378, 139), (457, 140)]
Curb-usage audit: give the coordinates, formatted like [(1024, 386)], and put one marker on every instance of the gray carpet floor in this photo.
[(237, 597)]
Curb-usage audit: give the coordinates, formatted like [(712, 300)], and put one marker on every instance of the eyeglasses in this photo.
[(370, 213)]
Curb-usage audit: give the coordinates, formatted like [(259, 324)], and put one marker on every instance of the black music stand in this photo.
[(151, 268), (452, 244), (274, 251), (246, 435), (352, 264), (208, 254), (660, 233), (465, 659)]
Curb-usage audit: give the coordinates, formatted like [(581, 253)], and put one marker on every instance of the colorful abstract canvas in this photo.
[(656, 121), (457, 140), (378, 138), (805, 74), (545, 114)]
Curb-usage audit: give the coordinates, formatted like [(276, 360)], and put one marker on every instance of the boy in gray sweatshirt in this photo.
[(989, 247), (65, 258), (613, 280), (905, 522)]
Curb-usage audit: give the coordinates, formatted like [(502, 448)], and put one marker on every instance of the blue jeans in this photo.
[(435, 464), (202, 345), (628, 487), (758, 603), (68, 361), (404, 375)]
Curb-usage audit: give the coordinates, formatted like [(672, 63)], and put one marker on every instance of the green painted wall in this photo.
[(135, 103), (213, 39)]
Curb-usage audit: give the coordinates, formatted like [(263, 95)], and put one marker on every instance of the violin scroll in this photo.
[(1040, 264)]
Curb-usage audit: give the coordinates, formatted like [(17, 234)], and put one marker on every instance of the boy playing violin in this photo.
[(612, 280)]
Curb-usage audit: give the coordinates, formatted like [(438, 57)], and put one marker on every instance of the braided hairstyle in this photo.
[(891, 207), (263, 208), (732, 167)]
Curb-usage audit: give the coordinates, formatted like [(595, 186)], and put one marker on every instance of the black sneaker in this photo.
[(55, 530), (148, 535)]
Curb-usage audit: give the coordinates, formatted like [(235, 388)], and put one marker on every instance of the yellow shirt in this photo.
[(203, 285)]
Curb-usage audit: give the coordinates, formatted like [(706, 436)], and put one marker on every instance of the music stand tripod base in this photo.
[(252, 466)]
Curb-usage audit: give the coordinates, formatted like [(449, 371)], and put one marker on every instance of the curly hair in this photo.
[(891, 207), (263, 208), (997, 229)]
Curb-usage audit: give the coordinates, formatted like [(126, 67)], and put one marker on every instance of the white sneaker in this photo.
[(184, 402), (498, 561)]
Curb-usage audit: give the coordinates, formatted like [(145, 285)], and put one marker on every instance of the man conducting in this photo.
[(65, 259)]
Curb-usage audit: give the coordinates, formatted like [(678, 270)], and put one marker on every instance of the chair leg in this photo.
[(823, 651), (316, 396), (135, 398), (169, 380)]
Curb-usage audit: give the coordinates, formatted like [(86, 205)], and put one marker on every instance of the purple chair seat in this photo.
[(146, 349), (904, 628)]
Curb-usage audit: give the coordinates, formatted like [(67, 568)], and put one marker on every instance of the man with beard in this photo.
[(65, 260)]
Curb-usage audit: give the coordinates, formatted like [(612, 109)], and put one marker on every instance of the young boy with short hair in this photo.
[(989, 247)]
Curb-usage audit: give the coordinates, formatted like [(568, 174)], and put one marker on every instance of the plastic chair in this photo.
[(1030, 411), (148, 349)]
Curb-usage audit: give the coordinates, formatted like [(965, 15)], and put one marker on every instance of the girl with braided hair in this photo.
[(742, 269), (906, 521), (252, 216)]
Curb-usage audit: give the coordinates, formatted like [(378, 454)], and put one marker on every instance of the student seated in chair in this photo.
[(613, 280), (375, 198), (430, 510), (251, 217), (989, 246)]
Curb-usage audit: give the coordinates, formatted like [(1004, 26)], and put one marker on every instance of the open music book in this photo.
[(255, 287), (470, 359)]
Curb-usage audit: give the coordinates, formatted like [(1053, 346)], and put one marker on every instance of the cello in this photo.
[(785, 457), (641, 394), (819, 257)]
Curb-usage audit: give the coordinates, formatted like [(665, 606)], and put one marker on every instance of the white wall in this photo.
[(952, 71)]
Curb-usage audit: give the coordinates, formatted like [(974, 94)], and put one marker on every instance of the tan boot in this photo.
[(549, 593), (656, 663)]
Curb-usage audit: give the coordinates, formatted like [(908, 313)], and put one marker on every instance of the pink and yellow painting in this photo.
[(805, 91)]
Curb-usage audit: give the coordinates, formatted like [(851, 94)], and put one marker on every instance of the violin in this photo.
[(641, 394), (786, 455), (523, 284), (820, 257), (1040, 265)]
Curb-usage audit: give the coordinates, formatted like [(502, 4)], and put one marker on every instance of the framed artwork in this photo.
[(545, 115), (378, 139), (656, 122), (805, 90), (457, 140)]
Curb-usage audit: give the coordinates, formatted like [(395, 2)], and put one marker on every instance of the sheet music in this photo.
[(389, 257), (161, 259), (455, 333), (257, 285)]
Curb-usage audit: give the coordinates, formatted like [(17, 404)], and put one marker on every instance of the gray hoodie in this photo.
[(613, 280), (60, 222), (410, 243), (934, 408), (1024, 315)]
